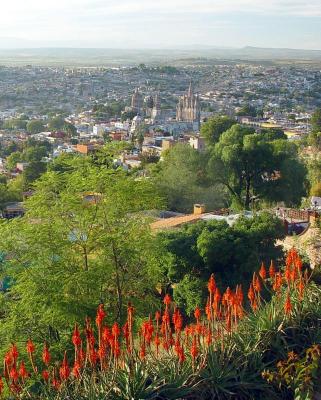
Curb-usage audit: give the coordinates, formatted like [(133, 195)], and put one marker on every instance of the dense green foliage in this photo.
[(191, 254), (182, 178), (81, 251), (253, 165), (35, 126), (314, 138), (316, 121), (212, 129)]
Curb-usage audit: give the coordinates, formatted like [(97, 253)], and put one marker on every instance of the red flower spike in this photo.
[(277, 282), (211, 286), (56, 384), (194, 349), (272, 270), (115, 330), (167, 299), (100, 315), (76, 339), (181, 355), (142, 352), (177, 320), (299, 264), (158, 316), (46, 355), (64, 370), (45, 375), (217, 296), (14, 352), (197, 314), (257, 285), (14, 374), (251, 294), (23, 373), (30, 347), (262, 271), (1, 386), (106, 336), (288, 305), (76, 370)]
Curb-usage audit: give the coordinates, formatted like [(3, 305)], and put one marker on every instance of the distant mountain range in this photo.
[(17, 52)]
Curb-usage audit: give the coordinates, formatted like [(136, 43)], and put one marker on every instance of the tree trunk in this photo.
[(247, 194)]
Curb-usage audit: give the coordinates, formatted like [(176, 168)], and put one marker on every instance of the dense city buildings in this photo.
[(151, 106)]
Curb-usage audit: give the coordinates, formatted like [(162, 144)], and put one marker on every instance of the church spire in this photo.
[(190, 89)]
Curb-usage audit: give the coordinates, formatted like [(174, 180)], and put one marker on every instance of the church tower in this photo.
[(157, 112), (188, 108), (137, 102)]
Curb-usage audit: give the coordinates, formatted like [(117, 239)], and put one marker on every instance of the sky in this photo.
[(160, 23)]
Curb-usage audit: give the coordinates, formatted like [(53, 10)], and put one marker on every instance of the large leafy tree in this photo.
[(192, 253), (316, 120), (84, 240), (182, 179), (314, 138), (251, 164), (35, 126), (212, 129)]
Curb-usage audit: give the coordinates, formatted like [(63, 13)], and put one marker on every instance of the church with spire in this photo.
[(188, 107)]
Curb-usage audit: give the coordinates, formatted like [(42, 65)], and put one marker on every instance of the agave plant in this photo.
[(135, 383)]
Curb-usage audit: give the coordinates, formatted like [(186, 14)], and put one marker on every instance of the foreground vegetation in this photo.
[(227, 351), (85, 242)]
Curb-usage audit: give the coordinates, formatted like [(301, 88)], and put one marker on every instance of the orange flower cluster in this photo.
[(292, 277), (104, 347)]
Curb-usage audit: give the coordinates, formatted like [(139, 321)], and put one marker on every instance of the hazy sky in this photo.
[(161, 23)]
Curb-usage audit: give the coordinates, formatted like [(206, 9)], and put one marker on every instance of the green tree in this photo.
[(15, 124), (33, 171), (56, 124), (13, 159), (189, 255), (247, 110), (139, 135), (88, 243), (11, 148), (273, 134), (35, 153), (35, 126), (314, 139), (70, 129), (316, 190), (181, 178), (214, 127), (249, 165), (314, 169), (128, 115), (316, 121)]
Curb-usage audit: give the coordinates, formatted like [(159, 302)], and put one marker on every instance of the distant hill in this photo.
[(115, 57), (279, 53)]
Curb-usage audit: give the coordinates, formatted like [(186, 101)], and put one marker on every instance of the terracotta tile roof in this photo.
[(167, 223)]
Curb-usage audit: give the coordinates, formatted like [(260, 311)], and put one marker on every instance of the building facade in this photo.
[(137, 102), (188, 108)]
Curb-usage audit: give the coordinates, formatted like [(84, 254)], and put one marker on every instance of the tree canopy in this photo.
[(191, 254), (182, 179), (35, 126), (251, 165), (212, 129), (316, 120), (83, 240)]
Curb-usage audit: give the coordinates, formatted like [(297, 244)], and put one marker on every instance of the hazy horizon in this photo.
[(141, 24)]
